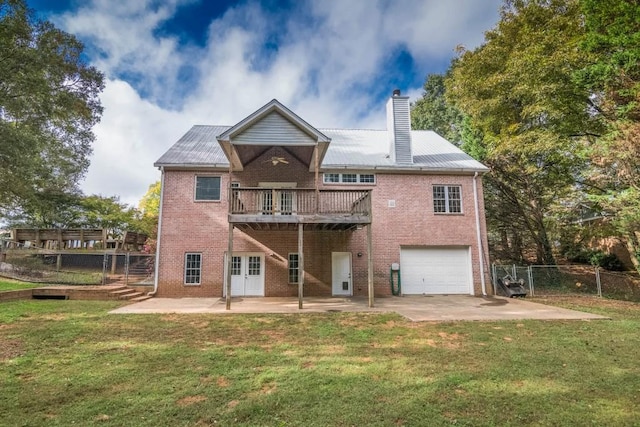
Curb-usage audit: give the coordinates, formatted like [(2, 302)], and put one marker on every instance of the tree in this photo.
[(108, 213), (150, 202), (434, 112), (149, 208), (48, 105), (613, 76), (65, 210), (518, 90)]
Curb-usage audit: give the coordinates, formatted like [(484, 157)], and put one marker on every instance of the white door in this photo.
[(341, 273), (278, 200), (433, 271), (247, 275)]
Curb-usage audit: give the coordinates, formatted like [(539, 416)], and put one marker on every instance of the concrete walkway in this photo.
[(415, 308)]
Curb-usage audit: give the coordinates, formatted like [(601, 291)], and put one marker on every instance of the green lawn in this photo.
[(13, 285), (70, 363)]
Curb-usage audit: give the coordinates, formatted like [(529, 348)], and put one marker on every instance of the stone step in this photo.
[(140, 298), (131, 295), (122, 291)]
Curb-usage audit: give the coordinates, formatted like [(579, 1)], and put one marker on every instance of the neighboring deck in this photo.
[(284, 208)]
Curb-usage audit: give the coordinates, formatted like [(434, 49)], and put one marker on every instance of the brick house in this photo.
[(319, 212)]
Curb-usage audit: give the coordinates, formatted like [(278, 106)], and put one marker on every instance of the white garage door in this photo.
[(435, 271)]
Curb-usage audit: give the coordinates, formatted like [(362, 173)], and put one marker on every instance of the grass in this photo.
[(70, 362), (15, 285)]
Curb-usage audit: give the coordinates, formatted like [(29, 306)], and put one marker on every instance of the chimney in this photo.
[(399, 128)]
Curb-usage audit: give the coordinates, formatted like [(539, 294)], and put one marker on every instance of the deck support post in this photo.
[(370, 264), (229, 265), (300, 264)]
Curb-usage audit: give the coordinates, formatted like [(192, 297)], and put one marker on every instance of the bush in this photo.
[(606, 261), (595, 257)]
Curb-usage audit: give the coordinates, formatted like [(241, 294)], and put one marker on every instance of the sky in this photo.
[(171, 64)]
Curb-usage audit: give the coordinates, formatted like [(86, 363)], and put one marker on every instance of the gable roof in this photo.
[(361, 149), (270, 107), (272, 124)]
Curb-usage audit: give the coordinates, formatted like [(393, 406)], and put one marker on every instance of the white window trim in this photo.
[(195, 187), (184, 272), (446, 199), (289, 268), (341, 182)]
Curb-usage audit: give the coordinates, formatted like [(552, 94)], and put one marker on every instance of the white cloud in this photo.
[(133, 133), (332, 61)]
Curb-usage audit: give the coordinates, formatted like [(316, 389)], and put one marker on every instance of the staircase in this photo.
[(126, 293)]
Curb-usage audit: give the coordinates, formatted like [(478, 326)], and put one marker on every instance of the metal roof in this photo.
[(349, 148), (197, 147)]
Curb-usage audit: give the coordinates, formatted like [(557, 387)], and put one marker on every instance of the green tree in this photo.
[(613, 40), (519, 91), (108, 213), (149, 208), (433, 112), (48, 105)]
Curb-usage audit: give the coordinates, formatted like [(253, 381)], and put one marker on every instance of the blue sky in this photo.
[(170, 64)]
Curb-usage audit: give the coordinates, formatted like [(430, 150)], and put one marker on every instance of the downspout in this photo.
[(479, 233), (156, 273)]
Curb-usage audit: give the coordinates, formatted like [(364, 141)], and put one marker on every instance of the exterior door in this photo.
[(279, 201), (341, 273), (247, 275)]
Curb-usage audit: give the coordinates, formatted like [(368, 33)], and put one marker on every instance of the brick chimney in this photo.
[(399, 128)]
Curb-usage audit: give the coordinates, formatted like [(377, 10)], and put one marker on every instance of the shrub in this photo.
[(606, 261)]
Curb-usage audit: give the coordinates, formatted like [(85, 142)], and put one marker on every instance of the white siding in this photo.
[(399, 125)]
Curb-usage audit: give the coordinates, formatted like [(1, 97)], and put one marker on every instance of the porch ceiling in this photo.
[(273, 125), (279, 226), (247, 154)]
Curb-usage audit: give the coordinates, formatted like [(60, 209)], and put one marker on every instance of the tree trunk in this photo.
[(544, 253), (631, 241)]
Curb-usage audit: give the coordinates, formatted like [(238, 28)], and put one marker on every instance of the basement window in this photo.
[(192, 268), (294, 268)]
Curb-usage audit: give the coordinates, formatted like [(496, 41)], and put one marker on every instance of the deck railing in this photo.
[(299, 201)]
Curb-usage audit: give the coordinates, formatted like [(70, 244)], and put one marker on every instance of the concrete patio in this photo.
[(415, 308)]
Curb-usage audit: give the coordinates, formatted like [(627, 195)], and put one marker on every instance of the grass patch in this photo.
[(69, 362), (16, 285)]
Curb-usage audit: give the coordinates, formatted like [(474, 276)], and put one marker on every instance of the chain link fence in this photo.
[(76, 267), (545, 280)]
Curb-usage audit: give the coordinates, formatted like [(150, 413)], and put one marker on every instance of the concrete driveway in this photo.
[(415, 308)]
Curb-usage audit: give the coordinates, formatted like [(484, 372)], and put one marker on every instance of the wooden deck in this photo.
[(285, 208)]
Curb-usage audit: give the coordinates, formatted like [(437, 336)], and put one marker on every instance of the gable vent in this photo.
[(399, 128)]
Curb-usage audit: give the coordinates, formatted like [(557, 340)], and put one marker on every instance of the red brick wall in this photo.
[(189, 226)]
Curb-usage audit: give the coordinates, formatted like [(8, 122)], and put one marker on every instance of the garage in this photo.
[(435, 271)]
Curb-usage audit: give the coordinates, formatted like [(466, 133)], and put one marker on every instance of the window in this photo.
[(447, 199), (331, 177), (236, 266), (192, 268), (254, 266), (208, 188), (294, 268), (349, 178)]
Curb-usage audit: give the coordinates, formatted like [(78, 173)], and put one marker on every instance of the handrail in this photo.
[(298, 201)]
